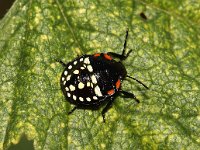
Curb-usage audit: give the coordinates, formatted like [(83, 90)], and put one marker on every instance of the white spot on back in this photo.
[(75, 62), (82, 68), (91, 85), (64, 82), (94, 80), (89, 67), (74, 97), (81, 99), (81, 85), (72, 88), (63, 78), (68, 94), (88, 84), (95, 98), (68, 77), (97, 91), (76, 72), (88, 99), (70, 67), (81, 59), (86, 60), (66, 88), (65, 73)]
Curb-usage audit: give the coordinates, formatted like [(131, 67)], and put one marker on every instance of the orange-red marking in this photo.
[(97, 55), (118, 83), (111, 92), (107, 57)]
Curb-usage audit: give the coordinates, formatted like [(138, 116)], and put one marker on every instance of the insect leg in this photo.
[(129, 95), (108, 106), (61, 62), (71, 111), (125, 43), (122, 56)]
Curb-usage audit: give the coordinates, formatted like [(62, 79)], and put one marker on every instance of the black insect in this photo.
[(90, 81)]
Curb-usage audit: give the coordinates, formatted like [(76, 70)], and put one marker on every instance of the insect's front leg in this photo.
[(122, 56), (108, 106)]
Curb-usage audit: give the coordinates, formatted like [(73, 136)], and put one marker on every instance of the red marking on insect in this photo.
[(106, 56), (97, 55), (111, 92), (118, 83)]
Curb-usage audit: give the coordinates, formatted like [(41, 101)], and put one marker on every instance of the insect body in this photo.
[(91, 80)]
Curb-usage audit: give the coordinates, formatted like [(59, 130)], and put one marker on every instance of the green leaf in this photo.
[(165, 57)]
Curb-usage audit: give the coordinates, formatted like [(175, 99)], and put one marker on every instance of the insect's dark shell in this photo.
[(91, 79)]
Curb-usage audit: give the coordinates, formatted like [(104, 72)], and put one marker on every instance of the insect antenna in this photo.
[(137, 81)]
